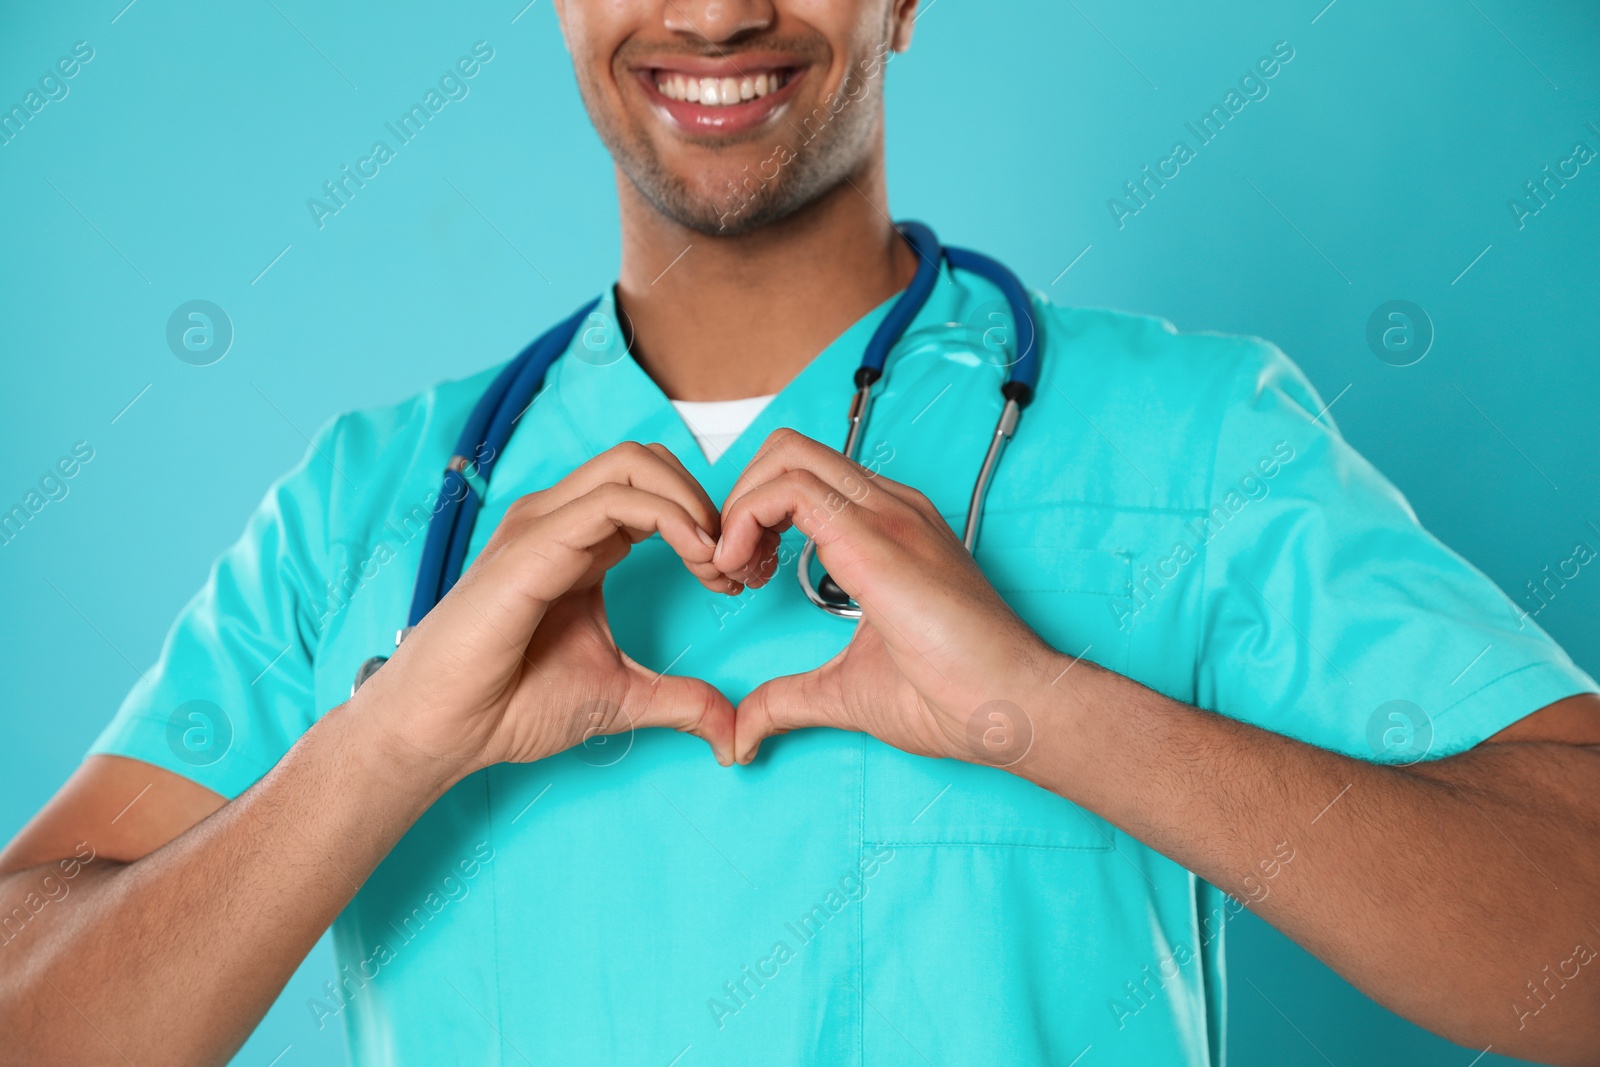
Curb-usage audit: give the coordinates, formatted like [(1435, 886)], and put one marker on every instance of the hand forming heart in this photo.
[(518, 661), (938, 657)]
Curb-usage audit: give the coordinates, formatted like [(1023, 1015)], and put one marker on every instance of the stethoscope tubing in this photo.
[(493, 420), (1017, 390)]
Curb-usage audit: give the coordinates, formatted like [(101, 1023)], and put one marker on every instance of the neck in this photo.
[(719, 318)]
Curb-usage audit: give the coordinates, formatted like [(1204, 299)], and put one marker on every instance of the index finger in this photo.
[(651, 467), (787, 450)]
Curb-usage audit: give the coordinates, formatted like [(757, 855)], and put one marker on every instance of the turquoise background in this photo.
[(177, 167)]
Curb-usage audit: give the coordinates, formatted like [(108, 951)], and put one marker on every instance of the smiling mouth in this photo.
[(719, 92), (721, 99)]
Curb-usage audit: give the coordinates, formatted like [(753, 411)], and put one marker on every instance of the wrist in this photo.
[(1015, 701), (380, 737), (1051, 698)]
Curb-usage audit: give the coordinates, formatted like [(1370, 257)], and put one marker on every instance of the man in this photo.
[(994, 832)]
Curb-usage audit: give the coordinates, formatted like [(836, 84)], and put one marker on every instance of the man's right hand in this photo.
[(517, 662)]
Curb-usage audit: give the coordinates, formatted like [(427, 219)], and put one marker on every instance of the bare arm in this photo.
[(133, 900), (197, 920), (1462, 893)]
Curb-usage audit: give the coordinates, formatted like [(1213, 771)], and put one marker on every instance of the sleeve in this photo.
[(1329, 614), (232, 689)]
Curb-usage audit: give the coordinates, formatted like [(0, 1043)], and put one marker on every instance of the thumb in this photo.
[(688, 705), (790, 702)]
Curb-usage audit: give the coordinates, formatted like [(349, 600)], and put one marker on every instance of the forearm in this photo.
[(215, 921), (1441, 889)]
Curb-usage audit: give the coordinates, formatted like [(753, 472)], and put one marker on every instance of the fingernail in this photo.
[(710, 542)]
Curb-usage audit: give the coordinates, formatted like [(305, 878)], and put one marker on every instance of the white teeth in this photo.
[(718, 92)]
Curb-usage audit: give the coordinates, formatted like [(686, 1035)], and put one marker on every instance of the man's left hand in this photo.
[(939, 666)]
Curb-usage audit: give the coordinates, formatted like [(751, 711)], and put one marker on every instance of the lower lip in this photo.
[(720, 121)]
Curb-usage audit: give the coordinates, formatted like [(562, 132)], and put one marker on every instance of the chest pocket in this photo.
[(1068, 596)]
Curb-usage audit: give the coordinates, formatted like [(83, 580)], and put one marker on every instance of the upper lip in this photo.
[(736, 65)]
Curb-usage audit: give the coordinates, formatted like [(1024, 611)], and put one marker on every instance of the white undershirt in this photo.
[(716, 424)]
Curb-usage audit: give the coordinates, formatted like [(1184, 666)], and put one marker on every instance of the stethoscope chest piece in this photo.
[(368, 668), (825, 593), (370, 665)]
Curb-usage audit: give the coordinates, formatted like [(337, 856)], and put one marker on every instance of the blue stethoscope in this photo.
[(494, 418)]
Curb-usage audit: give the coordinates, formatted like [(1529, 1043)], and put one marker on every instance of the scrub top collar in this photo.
[(609, 398)]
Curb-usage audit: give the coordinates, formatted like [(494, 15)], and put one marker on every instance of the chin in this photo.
[(720, 202)]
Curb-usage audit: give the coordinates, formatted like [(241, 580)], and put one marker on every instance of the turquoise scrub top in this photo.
[(1176, 507)]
